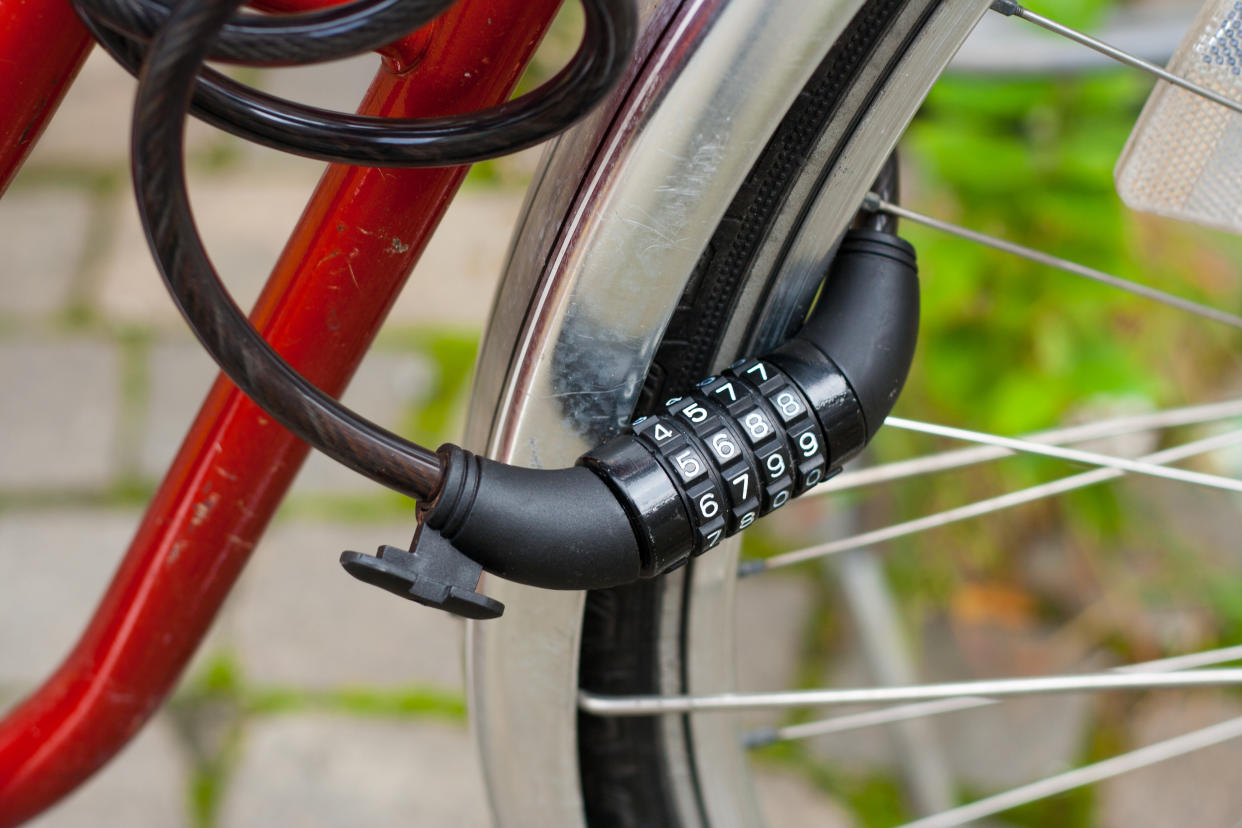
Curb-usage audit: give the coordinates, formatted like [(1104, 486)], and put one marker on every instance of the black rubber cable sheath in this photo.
[(609, 35), (166, 86), (283, 39), (164, 90)]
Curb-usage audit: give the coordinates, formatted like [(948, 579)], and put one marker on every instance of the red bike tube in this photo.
[(45, 44), (336, 279)]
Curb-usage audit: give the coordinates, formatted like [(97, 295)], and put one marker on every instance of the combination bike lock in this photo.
[(675, 483)]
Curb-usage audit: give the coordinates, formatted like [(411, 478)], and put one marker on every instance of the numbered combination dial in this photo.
[(737, 447)]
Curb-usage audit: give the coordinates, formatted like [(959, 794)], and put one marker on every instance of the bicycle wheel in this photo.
[(697, 234), (714, 251)]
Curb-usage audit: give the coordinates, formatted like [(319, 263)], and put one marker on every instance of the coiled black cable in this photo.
[(283, 39), (166, 87), (414, 142)]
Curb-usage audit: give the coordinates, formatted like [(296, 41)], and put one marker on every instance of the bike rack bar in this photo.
[(236, 464)]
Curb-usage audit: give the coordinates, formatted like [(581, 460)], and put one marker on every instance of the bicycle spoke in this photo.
[(755, 566), (875, 203), (888, 715), (601, 705), (1086, 775), (959, 458), (857, 721), (1012, 9), (1090, 458)]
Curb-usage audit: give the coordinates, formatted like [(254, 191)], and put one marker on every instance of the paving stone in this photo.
[(180, 372), (144, 786), (1199, 788), (244, 222), (42, 236), (1050, 729), (54, 566), (301, 620), (336, 772), (387, 386), (772, 614), (337, 85), (788, 799), (59, 413), (91, 127), (455, 281)]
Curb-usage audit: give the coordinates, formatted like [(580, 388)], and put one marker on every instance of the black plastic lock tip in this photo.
[(434, 574)]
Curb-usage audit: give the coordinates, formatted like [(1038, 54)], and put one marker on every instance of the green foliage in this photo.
[(873, 798), (404, 702), (451, 352), (1008, 345), (1011, 347)]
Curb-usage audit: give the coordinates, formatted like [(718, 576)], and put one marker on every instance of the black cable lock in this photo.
[(714, 460), (672, 486)]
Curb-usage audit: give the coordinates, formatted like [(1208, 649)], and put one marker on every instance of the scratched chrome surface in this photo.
[(620, 212)]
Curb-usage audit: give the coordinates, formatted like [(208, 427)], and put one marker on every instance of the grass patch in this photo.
[(415, 702), (378, 507), (213, 708)]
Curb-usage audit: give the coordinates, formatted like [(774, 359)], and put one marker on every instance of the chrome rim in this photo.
[(610, 271)]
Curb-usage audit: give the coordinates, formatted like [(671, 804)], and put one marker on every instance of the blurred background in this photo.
[(288, 713)]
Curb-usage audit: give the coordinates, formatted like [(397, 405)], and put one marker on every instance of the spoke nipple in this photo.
[(747, 568), (760, 738), (1006, 7)]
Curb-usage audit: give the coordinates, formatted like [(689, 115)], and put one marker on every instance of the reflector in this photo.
[(1184, 158)]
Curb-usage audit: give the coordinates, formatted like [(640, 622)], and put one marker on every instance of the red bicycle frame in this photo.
[(236, 464)]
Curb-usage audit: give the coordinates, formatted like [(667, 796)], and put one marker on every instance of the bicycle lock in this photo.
[(676, 483), (672, 486)]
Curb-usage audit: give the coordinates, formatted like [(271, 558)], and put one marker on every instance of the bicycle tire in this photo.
[(631, 772)]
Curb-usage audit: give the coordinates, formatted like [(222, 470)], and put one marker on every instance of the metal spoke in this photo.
[(959, 458), (1086, 775), (888, 715), (875, 203), (857, 721), (982, 507), (927, 700), (1089, 458), (1012, 9), (602, 705)]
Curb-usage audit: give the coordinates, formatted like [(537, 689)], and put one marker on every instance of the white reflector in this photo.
[(1184, 158)]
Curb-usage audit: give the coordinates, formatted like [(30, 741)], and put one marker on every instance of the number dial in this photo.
[(738, 446)]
